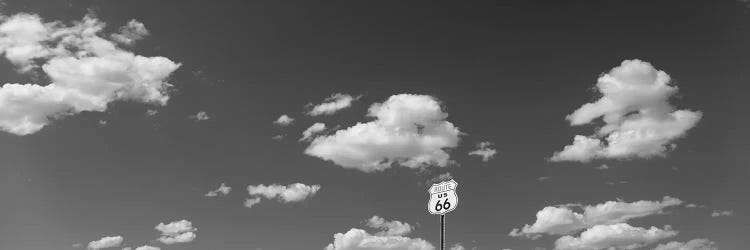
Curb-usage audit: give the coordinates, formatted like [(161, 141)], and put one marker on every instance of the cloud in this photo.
[(106, 242), (483, 150), (277, 137), (562, 220), (147, 248), (221, 191), (130, 33), (638, 119), (332, 104), (312, 130), (200, 116), (87, 72), (458, 246), (284, 120), (358, 239), (617, 236), (440, 178), (296, 192), (152, 112), (408, 130), (695, 244), (250, 202), (389, 228), (181, 231), (603, 167), (718, 213)]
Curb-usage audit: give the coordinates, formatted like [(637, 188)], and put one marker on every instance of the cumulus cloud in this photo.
[(87, 72), (130, 33), (562, 220), (312, 130), (408, 130), (389, 228), (358, 239), (200, 116), (695, 244), (332, 104), (181, 231), (147, 248), (483, 150), (719, 213), (284, 120), (221, 191), (296, 192), (616, 236), (638, 119), (106, 242)]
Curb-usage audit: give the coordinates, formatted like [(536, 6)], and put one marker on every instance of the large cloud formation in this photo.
[(408, 130), (181, 231), (638, 119), (392, 237), (562, 220), (87, 71)]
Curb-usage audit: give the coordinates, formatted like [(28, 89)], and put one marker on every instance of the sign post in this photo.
[(443, 199)]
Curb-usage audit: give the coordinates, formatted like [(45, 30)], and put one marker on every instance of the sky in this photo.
[(181, 124)]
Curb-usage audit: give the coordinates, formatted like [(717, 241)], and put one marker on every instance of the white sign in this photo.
[(443, 198)]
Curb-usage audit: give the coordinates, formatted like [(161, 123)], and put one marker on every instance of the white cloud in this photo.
[(695, 244), (250, 202), (603, 167), (617, 236), (200, 116), (147, 248), (152, 112), (277, 137), (312, 130), (332, 104), (562, 220), (358, 239), (483, 150), (130, 33), (409, 130), (296, 192), (638, 119), (458, 246), (88, 72), (105, 242), (181, 231), (718, 213), (221, 191), (127, 248), (440, 178), (389, 228), (284, 120)]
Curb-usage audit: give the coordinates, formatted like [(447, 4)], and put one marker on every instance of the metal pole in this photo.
[(442, 232)]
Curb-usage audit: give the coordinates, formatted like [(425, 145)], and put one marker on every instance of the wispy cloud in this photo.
[(332, 104)]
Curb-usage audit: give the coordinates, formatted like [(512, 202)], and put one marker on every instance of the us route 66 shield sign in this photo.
[(443, 198)]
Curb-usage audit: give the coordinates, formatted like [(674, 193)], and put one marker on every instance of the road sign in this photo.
[(443, 198)]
